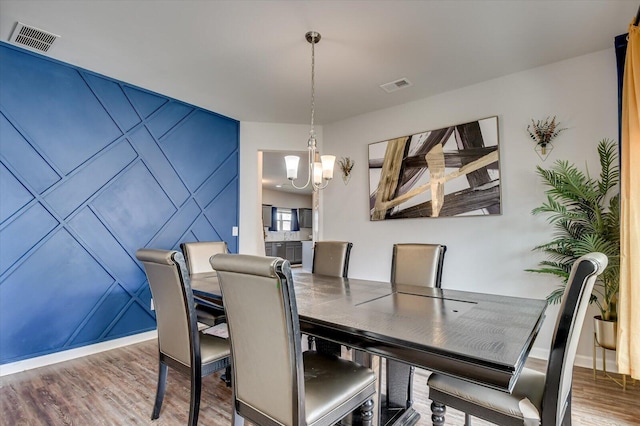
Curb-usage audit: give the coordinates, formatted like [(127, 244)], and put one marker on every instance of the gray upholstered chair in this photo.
[(181, 346), (197, 256), (330, 258), (417, 264), (274, 383), (537, 398), (411, 264)]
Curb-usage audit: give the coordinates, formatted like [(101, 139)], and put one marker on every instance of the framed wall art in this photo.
[(453, 171)]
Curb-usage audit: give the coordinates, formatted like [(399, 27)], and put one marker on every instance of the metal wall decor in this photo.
[(453, 171), (346, 166), (542, 133)]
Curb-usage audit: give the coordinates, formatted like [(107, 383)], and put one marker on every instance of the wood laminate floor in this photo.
[(117, 387)]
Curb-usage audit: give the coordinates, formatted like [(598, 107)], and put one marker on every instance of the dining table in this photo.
[(478, 337)]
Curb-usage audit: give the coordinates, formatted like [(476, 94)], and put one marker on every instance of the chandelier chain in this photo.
[(320, 171)]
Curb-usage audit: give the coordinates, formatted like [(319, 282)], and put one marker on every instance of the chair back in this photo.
[(331, 258), (418, 264), (173, 302), (197, 254), (260, 305), (564, 344)]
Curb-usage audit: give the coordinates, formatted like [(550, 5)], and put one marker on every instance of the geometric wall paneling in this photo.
[(115, 101), (107, 250), (144, 102), (134, 207), (203, 231), (170, 234), (22, 233), (190, 149), (25, 161), (78, 186), (56, 109), (92, 169), (40, 307), (167, 118), (105, 314), (13, 195), (218, 181), (217, 213), (134, 313), (159, 165)]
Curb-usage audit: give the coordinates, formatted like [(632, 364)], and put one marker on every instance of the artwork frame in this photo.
[(458, 163)]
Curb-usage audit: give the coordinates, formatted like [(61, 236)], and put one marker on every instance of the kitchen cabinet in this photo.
[(266, 215), (305, 218), (297, 253), (290, 250), (294, 252), (278, 249)]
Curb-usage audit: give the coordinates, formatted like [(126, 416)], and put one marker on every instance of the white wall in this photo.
[(485, 254), (256, 137)]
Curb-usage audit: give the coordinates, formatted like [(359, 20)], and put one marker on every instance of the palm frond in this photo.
[(609, 174)]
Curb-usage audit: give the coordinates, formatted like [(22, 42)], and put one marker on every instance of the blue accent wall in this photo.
[(91, 169)]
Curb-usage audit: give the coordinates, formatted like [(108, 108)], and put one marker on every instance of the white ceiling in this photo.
[(249, 60)]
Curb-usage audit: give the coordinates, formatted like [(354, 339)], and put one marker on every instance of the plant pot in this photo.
[(606, 332)]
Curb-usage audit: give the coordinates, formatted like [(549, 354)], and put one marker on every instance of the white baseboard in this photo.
[(583, 360), (41, 361)]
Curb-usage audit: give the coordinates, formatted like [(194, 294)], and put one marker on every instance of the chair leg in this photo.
[(366, 411), (226, 377), (467, 419), (194, 408), (162, 385), (438, 411), (566, 421), (236, 419), (412, 370)]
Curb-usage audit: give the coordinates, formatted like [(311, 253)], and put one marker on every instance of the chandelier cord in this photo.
[(313, 83)]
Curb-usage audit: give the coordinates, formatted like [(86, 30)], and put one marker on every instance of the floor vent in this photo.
[(32, 37), (396, 85)]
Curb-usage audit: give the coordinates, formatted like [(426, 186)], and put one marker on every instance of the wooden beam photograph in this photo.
[(453, 171)]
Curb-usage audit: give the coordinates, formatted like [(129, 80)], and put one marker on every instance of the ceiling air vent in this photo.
[(396, 85), (32, 37)]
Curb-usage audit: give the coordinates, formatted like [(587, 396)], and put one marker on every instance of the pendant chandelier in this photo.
[(320, 167)]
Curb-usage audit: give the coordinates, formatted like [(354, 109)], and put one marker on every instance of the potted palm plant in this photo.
[(585, 216)]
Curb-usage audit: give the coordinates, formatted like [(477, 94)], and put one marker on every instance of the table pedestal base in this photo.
[(394, 406), (388, 416)]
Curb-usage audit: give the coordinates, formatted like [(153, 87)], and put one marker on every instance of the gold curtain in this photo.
[(628, 347)]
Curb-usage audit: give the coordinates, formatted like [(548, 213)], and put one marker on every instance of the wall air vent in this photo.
[(396, 85), (33, 38)]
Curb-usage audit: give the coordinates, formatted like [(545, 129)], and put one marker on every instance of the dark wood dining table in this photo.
[(482, 338)]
